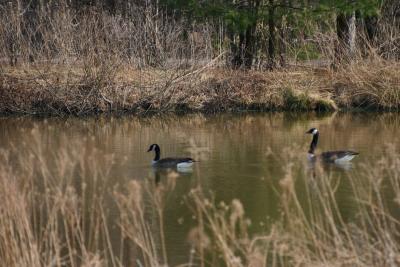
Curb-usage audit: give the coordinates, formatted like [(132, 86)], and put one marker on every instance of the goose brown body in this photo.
[(338, 156), (168, 162)]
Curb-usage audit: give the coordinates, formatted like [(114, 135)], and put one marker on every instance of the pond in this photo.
[(239, 156)]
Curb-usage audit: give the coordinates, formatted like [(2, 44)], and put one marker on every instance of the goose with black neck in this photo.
[(158, 162), (338, 156)]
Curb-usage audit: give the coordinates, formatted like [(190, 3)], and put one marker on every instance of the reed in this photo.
[(53, 213), (60, 210), (312, 230)]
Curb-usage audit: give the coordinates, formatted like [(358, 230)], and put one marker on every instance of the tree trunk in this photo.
[(243, 53), (352, 35), (271, 40), (237, 50), (346, 33), (248, 48), (111, 6), (283, 36), (282, 43), (371, 24)]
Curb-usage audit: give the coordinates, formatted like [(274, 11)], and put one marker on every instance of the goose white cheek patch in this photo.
[(315, 131), (310, 156)]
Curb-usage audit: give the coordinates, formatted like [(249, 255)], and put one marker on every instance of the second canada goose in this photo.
[(168, 162), (340, 156)]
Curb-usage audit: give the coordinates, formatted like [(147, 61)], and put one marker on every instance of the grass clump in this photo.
[(369, 85), (305, 102)]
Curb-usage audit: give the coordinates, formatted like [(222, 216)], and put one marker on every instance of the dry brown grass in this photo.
[(368, 84), (312, 231), (58, 90), (55, 214)]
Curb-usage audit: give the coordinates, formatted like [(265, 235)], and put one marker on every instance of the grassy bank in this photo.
[(58, 214), (81, 90), (64, 58)]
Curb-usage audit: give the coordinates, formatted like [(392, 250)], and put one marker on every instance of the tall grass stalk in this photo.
[(312, 230), (56, 211)]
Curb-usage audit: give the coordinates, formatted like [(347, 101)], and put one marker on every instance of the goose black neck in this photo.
[(157, 156), (314, 143)]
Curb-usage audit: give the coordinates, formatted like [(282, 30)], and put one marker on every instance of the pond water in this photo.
[(240, 156)]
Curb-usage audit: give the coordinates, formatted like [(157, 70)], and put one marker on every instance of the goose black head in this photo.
[(154, 147), (312, 131)]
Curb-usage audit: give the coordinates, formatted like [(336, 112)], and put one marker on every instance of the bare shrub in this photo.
[(140, 36)]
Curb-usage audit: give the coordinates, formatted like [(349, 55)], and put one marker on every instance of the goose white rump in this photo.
[(184, 165), (344, 159)]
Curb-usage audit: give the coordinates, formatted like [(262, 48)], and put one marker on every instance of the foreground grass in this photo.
[(89, 89), (55, 214)]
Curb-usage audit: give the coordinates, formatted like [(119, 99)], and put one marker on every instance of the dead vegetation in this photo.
[(58, 213), (312, 231), (130, 90), (61, 61), (60, 90), (369, 85)]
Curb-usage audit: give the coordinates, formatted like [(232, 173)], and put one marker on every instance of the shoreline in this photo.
[(60, 90)]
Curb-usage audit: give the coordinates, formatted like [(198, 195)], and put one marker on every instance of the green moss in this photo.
[(293, 101), (304, 102)]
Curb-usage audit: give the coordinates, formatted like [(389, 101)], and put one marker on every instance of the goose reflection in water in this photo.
[(169, 175)]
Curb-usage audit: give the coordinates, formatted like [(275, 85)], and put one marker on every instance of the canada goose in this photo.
[(340, 156), (169, 162)]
